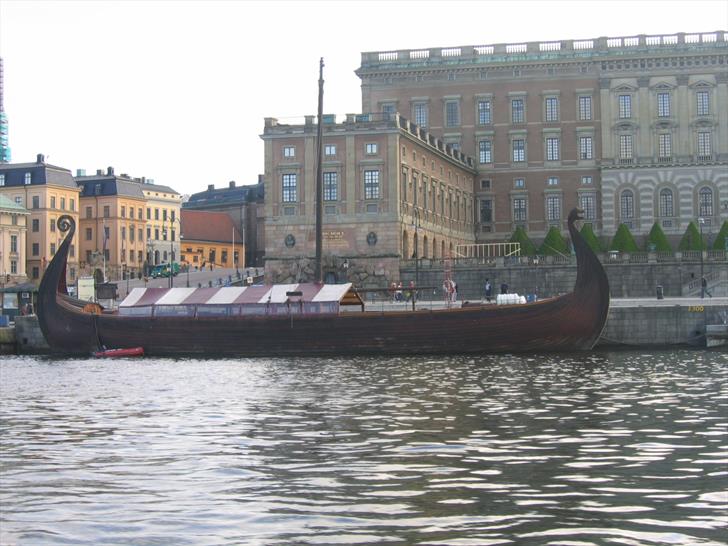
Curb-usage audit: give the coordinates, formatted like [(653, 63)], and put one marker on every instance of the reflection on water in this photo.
[(607, 448)]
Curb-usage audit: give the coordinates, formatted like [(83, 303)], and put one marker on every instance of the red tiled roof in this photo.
[(218, 227)]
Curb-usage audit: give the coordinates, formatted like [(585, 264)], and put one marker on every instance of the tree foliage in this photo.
[(623, 240), (658, 239), (554, 243), (527, 246), (591, 239), (691, 239)]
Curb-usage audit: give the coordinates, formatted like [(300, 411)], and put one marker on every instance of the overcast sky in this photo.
[(177, 90)]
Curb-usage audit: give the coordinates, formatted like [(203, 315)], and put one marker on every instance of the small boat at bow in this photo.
[(119, 353)]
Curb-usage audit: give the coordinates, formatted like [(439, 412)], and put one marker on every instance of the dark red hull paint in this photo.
[(567, 323)]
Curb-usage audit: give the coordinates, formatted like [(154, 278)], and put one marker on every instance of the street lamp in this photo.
[(416, 225), (701, 221)]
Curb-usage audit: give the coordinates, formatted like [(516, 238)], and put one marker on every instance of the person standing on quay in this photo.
[(488, 290)]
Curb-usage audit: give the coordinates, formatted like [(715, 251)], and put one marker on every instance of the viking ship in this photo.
[(312, 319), (315, 319)]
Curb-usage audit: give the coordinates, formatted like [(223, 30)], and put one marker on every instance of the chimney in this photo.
[(232, 184), (99, 172), (40, 158), (109, 171), (211, 187), (80, 172)]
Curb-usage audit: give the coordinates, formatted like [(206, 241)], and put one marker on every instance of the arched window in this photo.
[(405, 246), (434, 249), (666, 207), (626, 206), (705, 202)]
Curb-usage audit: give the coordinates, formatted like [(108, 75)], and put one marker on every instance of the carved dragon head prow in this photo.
[(576, 214)]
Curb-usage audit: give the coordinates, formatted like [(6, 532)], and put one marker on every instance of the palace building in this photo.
[(391, 190), (632, 129)]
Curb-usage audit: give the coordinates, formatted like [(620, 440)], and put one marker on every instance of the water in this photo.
[(610, 448)]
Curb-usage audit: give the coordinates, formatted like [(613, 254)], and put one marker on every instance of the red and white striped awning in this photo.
[(229, 295)]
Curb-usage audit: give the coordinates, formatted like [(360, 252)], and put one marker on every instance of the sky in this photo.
[(177, 91)]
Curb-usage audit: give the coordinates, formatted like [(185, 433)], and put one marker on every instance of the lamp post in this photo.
[(416, 225), (701, 221)]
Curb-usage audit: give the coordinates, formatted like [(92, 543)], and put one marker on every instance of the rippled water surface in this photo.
[(610, 448)]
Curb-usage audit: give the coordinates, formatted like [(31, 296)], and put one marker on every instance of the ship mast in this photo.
[(319, 176)]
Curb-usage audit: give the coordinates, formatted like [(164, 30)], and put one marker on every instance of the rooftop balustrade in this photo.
[(495, 53)]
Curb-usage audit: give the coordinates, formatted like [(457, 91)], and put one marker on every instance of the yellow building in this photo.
[(112, 230), (48, 192), (211, 238), (163, 222), (13, 228)]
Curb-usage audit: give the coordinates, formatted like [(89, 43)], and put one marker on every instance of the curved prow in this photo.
[(54, 280), (591, 290)]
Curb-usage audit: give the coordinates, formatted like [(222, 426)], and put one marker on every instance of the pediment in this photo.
[(624, 88), (663, 86), (702, 84)]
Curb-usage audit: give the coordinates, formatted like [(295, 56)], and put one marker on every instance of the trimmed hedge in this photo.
[(527, 246), (554, 243), (623, 240), (591, 239), (657, 237), (719, 243), (691, 239)]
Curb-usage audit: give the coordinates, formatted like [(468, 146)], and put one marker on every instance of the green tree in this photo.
[(691, 239), (719, 243), (657, 237), (623, 240), (527, 246), (591, 239), (554, 243)]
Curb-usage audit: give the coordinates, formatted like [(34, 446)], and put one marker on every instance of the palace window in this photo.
[(585, 147), (28, 178), (552, 181), (371, 148), (452, 113), (625, 146), (484, 112), (518, 111), (289, 152), (519, 150), (663, 105), (486, 211), (626, 206), (664, 146), (586, 180), (420, 114), (585, 108), (588, 203), (552, 149), (625, 106), (330, 149), (371, 184), (553, 208), (704, 147), (552, 109), (703, 106), (666, 203), (485, 149), (331, 186), (519, 209), (705, 202), (36, 202), (519, 183), (36, 225), (289, 188)]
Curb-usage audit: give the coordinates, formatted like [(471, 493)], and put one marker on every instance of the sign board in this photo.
[(85, 290)]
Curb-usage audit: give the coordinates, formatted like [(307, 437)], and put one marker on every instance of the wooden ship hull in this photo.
[(571, 322)]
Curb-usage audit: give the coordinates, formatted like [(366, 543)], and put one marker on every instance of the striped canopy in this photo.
[(229, 295)]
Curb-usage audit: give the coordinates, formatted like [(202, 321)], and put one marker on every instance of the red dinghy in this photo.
[(115, 353)]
